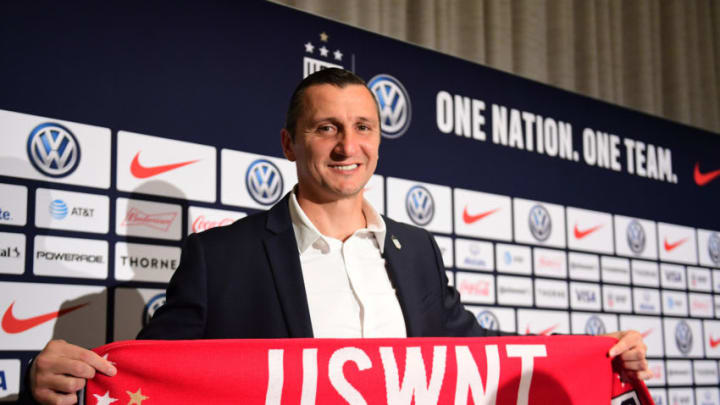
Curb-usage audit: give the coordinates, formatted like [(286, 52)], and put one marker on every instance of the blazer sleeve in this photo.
[(184, 314), (459, 322)]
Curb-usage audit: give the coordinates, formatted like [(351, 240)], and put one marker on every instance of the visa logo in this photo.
[(673, 276), (586, 296)]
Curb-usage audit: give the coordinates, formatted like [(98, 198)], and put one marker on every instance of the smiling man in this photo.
[(320, 263)]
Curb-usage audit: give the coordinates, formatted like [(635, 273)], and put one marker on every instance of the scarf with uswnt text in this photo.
[(499, 370)]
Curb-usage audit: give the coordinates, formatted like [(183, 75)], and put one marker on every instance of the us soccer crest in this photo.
[(320, 53)]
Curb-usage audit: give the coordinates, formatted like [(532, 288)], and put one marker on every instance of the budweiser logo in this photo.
[(160, 221), (201, 223)]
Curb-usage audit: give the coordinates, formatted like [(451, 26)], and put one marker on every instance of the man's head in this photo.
[(333, 134), (333, 76)]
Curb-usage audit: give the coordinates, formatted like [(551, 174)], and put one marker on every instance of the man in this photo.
[(321, 263)]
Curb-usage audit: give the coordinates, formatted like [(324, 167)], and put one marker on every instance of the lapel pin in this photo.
[(396, 242)]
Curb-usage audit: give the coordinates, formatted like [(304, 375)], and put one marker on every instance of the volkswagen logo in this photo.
[(488, 320), (394, 104), (540, 223), (683, 337), (264, 182), (53, 150), (58, 209), (420, 205), (636, 236), (714, 248), (153, 305), (594, 326)]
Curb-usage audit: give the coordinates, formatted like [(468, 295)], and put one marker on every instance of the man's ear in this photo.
[(287, 144)]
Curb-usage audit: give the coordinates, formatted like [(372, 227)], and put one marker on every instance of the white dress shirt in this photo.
[(348, 289)]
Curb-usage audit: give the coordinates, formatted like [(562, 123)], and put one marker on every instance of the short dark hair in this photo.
[(333, 76)]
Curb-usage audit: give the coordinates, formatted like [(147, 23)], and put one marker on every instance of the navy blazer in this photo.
[(245, 281)]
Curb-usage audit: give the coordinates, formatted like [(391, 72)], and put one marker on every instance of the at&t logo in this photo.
[(53, 150), (636, 236), (394, 104), (540, 223), (487, 320), (153, 305), (714, 248), (594, 326), (58, 209), (420, 205), (683, 337), (264, 182)]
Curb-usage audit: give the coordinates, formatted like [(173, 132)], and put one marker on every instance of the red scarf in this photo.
[(501, 370)]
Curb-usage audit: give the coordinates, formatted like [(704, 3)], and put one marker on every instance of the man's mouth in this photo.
[(345, 167)]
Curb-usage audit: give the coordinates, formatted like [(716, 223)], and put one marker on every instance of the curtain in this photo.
[(661, 57)]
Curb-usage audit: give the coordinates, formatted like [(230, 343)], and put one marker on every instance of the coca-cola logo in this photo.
[(202, 223), (160, 221)]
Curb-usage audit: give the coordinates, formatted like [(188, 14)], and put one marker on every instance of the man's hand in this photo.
[(629, 352), (60, 370)]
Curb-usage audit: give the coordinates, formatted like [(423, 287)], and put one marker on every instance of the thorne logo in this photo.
[(160, 221), (264, 182), (394, 103), (53, 150), (420, 205)]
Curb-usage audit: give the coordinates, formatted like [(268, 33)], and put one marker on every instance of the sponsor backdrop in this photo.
[(125, 129)]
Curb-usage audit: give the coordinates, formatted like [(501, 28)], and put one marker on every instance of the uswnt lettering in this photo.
[(507, 370), (415, 385)]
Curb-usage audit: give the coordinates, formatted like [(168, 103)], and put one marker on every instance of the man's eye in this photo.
[(326, 128)]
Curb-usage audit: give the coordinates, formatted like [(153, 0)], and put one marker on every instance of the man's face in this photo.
[(336, 142)]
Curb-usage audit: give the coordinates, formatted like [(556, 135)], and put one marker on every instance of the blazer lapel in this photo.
[(284, 261), (401, 278)]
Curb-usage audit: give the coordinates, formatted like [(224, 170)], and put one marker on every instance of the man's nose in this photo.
[(347, 143)]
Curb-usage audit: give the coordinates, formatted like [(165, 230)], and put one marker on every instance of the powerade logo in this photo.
[(394, 103), (53, 150), (635, 236), (153, 305), (714, 248), (488, 320), (540, 223), (683, 337), (594, 326), (58, 209), (264, 182), (420, 205)]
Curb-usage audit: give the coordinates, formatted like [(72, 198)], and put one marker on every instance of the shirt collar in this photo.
[(306, 233)]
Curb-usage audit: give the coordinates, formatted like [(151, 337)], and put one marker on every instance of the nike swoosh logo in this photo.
[(469, 219), (671, 246), (11, 324), (543, 332), (714, 342), (702, 179), (143, 172), (581, 234)]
